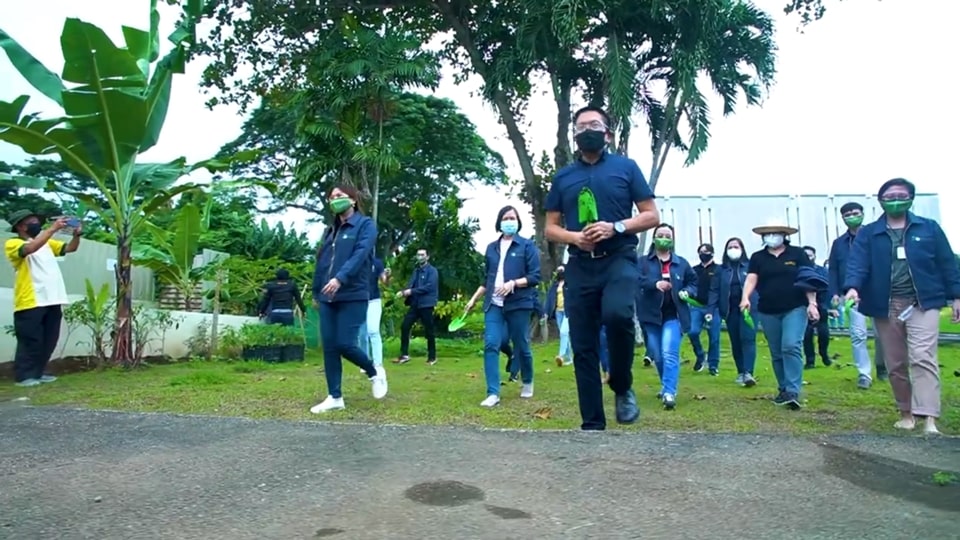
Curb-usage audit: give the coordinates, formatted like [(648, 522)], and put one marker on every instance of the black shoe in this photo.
[(627, 409), (882, 373), (788, 399), (827, 362), (698, 365), (647, 362), (810, 365), (431, 361), (714, 372), (513, 378)]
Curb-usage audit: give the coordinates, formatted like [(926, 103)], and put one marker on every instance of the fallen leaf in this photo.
[(542, 413), (548, 370), (472, 375), (698, 397), (283, 378)]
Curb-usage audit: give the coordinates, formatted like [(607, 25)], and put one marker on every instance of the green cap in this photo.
[(18, 216)]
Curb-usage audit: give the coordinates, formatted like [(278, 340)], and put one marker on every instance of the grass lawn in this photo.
[(449, 393)]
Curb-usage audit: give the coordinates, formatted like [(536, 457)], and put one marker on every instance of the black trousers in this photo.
[(37, 331), (600, 292), (424, 315), (822, 329)]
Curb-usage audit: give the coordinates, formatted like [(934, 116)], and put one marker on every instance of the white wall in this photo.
[(75, 342)]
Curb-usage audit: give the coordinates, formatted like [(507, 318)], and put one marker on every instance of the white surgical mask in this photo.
[(773, 241), (734, 254)]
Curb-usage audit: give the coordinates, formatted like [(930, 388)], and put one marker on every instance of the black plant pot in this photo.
[(266, 353), (293, 353)]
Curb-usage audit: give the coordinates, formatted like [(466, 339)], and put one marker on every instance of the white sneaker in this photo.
[(491, 401), (328, 404), (47, 379), (379, 383), (526, 391), (28, 382)]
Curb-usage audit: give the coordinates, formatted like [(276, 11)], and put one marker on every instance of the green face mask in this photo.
[(853, 221), (340, 205), (896, 208), (663, 243)]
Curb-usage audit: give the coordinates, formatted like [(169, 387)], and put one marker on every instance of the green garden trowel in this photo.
[(587, 207)]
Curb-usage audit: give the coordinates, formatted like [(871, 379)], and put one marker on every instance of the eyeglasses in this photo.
[(595, 125)]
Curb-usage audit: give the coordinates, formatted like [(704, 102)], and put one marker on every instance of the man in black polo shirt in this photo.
[(708, 289), (601, 274)]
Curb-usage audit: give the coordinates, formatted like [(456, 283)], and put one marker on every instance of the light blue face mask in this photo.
[(509, 227)]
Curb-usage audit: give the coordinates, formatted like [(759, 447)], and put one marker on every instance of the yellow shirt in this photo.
[(560, 298), (37, 279)]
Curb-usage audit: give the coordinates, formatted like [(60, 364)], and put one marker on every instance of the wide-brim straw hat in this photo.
[(773, 226)]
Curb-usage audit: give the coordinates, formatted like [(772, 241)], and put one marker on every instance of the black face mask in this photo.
[(591, 141), (34, 229), (706, 257)]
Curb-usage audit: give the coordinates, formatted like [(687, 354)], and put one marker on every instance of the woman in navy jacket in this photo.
[(666, 281), (341, 283), (512, 269), (743, 337)]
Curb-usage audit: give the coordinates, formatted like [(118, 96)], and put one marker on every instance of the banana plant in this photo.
[(114, 102), (171, 255)]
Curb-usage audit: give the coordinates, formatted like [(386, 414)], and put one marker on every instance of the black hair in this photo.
[(503, 212), (810, 248), (283, 274), (850, 207), (707, 245), (743, 248), (911, 189), (653, 245), (596, 109)]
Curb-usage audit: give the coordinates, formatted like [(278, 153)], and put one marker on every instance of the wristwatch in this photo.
[(619, 227)]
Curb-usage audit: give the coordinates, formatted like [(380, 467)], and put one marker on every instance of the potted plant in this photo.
[(260, 342), (292, 340)]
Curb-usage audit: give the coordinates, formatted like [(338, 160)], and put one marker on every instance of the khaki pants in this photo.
[(910, 353)]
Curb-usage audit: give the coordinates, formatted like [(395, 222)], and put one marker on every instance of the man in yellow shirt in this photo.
[(38, 292)]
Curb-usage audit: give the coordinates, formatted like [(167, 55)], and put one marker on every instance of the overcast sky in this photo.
[(862, 96)]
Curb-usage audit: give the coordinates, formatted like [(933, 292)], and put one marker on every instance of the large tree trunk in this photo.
[(123, 326)]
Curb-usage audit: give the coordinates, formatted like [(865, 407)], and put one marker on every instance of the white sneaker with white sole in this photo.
[(491, 401), (328, 404), (378, 384), (526, 391)]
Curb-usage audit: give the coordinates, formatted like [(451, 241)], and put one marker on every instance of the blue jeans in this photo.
[(514, 323), (697, 322), (369, 339), (339, 327), (743, 342), (663, 347), (565, 352), (784, 334), (604, 351), (280, 316)]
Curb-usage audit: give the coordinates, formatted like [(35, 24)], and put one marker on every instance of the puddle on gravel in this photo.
[(507, 513), (906, 481), (444, 493)]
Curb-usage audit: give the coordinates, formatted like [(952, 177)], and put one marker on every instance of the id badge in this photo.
[(901, 253)]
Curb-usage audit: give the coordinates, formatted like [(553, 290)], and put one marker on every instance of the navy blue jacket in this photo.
[(724, 281), (346, 253), (932, 263), (522, 260), (823, 296), (714, 286), (839, 254), (424, 287), (649, 298)]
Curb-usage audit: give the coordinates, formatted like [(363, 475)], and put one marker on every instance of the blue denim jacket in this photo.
[(522, 260), (346, 253), (424, 287), (649, 298), (726, 278), (930, 258)]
